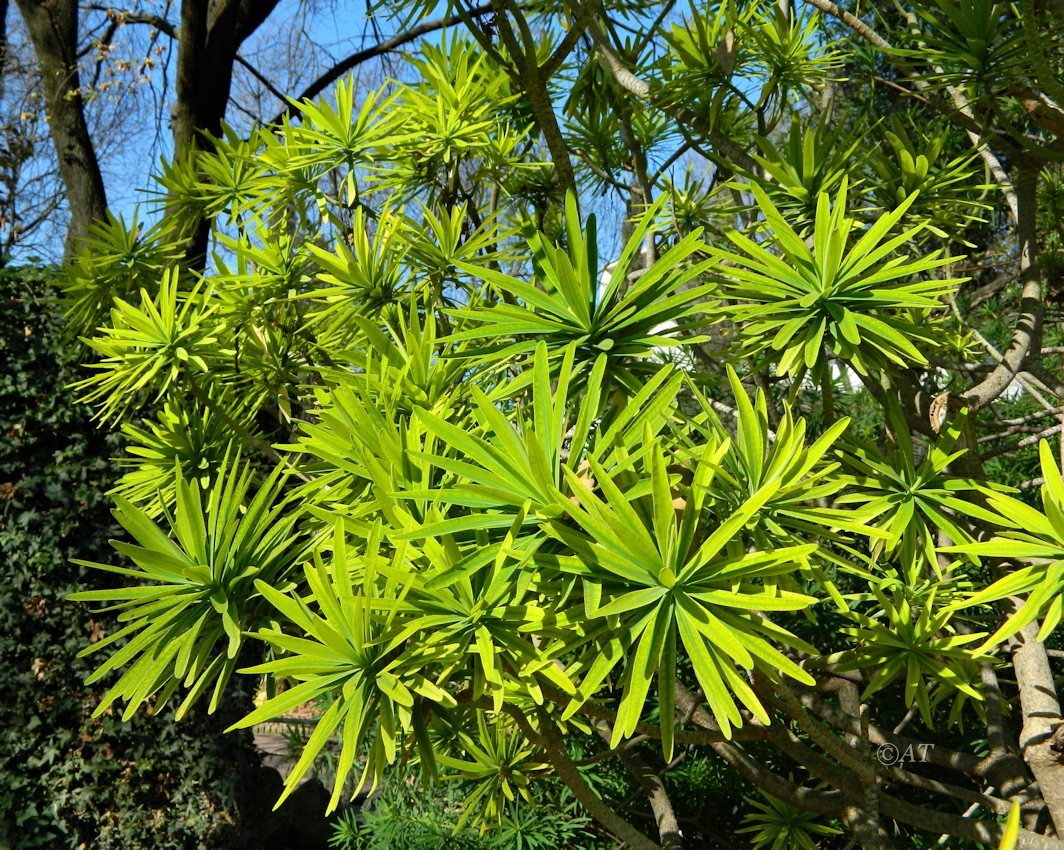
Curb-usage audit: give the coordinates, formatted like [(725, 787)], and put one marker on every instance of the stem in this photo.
[(1027, 334), (653, 786), (548, 740), (532, 79), (827, 394), (1041, 716)]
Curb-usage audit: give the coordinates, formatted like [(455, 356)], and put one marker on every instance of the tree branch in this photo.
[(653, 786), (355, 59), (124, 16), (548, 740), (632, 84), (534, 82), (270, 87), (856, 24), (1027, 334), (1041, 716), (568, 44)]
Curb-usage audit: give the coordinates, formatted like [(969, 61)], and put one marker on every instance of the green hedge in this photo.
[(67, 780)]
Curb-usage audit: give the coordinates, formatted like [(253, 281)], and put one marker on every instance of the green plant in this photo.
[(1026, 533), (532, 495), (778, 826), (856, 301), (567, 304)]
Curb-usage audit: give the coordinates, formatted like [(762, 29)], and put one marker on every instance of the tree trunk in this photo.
[(210, 36), (1041, 717), (53, 29), (3, 45)]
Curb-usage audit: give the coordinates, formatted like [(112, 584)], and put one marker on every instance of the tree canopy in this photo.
[(619, 387)]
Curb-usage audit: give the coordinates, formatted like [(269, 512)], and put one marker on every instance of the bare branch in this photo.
[(270, 87), (355, 59), (568, 44), (124, 16)]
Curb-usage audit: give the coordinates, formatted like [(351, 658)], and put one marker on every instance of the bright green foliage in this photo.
[(367, 272), (1030, 536), (971, 43), (514, 504), (803, 166), (949, 196), (182, 442), (501, 764), (334, 135), (912, 502), (186, 619), (706, 59), (626, 321), (762, 455), (407, 366), (344, 652), (853, 298), (457, 102), (125, 257), (657, 583), (229, 184), (909, 636), (166, 335), (735, 46)]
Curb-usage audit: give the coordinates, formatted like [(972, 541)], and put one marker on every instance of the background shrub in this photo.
[(68, 780)]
